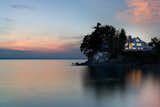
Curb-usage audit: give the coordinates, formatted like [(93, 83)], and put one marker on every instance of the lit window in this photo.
[(133, 44), (139, 44), (130, 46)]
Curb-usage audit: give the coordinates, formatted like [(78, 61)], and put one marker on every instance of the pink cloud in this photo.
[(45, 45), (141, 11)]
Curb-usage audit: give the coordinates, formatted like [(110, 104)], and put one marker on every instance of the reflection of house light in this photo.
[(135, 77)]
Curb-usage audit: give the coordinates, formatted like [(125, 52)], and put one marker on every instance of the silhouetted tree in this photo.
[(155, 43), (98, 26), (104, 35), (122, 40)]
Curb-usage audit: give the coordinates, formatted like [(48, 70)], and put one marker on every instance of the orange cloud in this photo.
[(45, 45), (141, 11)]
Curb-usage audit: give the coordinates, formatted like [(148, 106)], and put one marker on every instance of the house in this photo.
[(136, 44), (134, 47)]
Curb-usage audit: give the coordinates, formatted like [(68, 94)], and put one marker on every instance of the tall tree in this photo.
[(155, 43), (104, 35), (122, 40)]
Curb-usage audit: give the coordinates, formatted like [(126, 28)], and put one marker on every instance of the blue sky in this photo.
[(59, 25)]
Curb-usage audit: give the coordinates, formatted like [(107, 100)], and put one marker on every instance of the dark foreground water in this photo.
[(55, 83)]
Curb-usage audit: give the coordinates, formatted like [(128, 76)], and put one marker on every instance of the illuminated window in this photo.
[(139, 44), (130, 46), (133, 44)]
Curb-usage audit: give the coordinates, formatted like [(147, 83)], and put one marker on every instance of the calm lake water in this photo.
[(56, 83)]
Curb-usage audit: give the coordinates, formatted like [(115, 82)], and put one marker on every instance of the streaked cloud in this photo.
[(22, 7), (7, 19), (141, 11), (46, 48), (5, 24), (40, 45)]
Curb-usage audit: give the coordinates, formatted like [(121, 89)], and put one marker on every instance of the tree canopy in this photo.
[(104, 38), (155, 43)]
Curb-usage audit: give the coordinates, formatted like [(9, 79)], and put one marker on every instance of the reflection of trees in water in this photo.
[(107, 80)]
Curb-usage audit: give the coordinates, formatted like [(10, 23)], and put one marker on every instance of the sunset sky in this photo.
[(58, 26)]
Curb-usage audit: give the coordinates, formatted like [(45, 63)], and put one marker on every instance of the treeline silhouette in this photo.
[(106, 38)]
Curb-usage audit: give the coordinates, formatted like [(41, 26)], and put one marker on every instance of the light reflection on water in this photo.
[(55, 83), (124, 87)]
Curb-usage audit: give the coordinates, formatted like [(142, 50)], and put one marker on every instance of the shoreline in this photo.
[(116, 64)]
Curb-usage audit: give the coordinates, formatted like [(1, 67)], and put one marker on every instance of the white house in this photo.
[(132, 44), (136, 44)]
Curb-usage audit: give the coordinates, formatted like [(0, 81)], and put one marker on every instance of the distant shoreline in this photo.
[(41, 59), (115, 64)]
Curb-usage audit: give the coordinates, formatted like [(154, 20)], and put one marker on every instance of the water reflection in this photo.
[(139, 86), (55, 83), (103, 81)]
